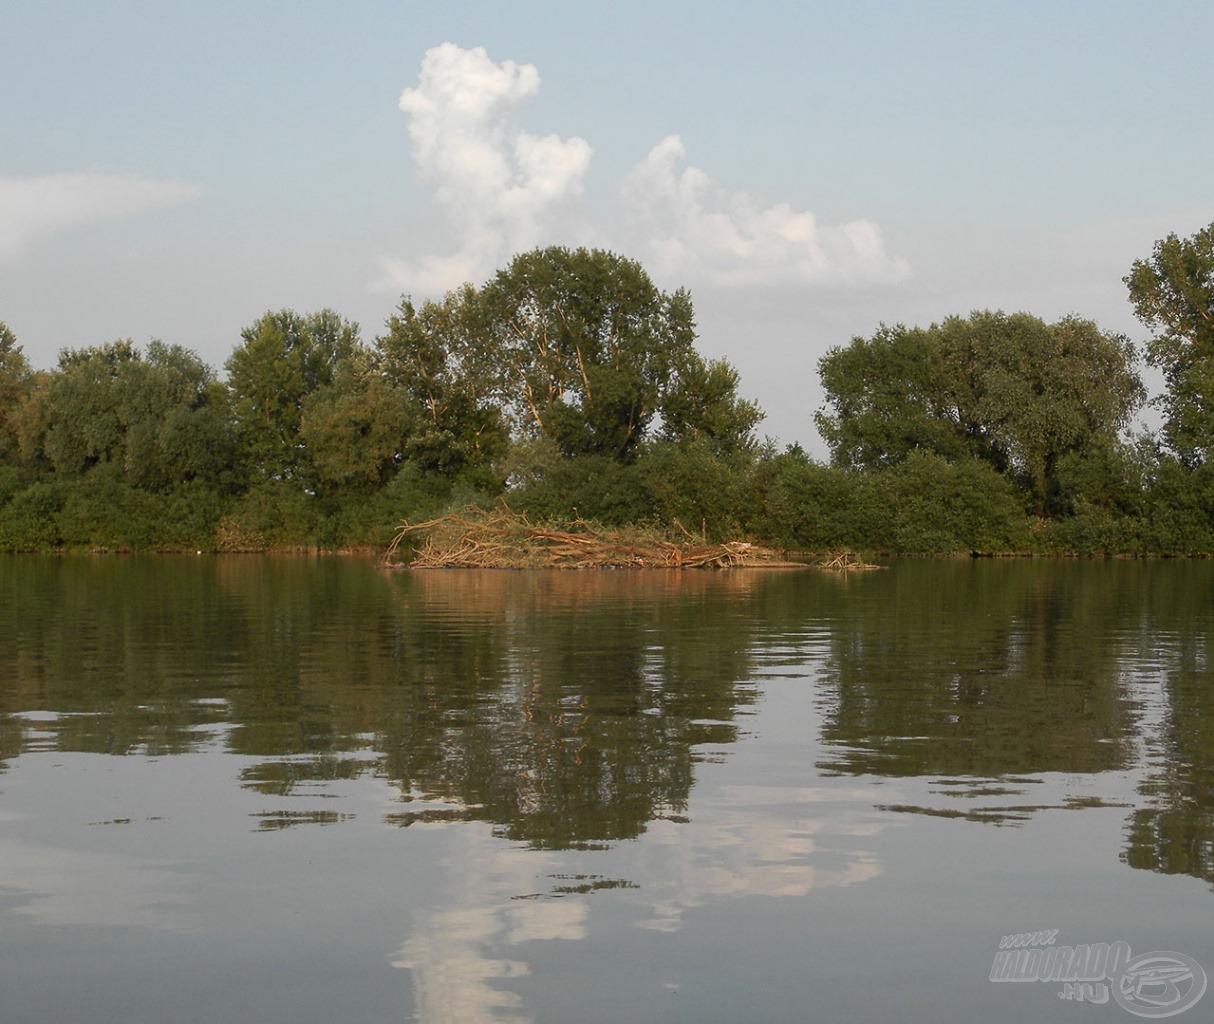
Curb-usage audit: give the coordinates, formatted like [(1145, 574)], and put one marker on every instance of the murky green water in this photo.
[(304, 790)]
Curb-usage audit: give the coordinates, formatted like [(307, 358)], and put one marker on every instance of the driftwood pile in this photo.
[(504, 539), (843, 561)]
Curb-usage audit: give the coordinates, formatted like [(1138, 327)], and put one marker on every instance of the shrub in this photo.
[(29, 521)]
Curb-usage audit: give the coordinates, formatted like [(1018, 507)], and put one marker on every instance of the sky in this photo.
[(808, 171)]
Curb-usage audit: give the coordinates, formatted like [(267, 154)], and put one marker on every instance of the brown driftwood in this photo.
[(843, 561), (504, 539)]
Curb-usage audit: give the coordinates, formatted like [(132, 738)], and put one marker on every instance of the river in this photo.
[(302, 789)]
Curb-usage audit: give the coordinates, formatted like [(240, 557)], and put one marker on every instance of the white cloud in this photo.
[(685, 224), (35, 208), (503, 189)]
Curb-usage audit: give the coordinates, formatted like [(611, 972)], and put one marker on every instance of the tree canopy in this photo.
[(1005, 388), (576, 347), (439, 361), (15, 380), (283, 358), (1173, 293), (570, 383)]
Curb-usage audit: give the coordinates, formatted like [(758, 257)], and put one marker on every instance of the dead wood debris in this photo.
[(843, 561), (504, 539)]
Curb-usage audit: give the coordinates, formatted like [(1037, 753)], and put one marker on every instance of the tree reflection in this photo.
[(987, 671), (1174, 832), (571, 709), (986, 674), (566, 708), (581, 702)]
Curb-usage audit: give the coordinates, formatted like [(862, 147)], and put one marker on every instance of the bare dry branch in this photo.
[(504, 539)]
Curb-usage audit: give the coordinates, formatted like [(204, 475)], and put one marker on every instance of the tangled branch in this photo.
[(504, 539)]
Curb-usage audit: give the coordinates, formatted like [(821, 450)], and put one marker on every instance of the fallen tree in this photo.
[(501, 538)]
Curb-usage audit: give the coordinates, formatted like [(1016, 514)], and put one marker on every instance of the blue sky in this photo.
[(172, 170)]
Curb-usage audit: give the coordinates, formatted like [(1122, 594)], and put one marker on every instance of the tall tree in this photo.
[(1009, 389), (158, 418), (1173, 293), (444, 363), (176, 419), (283, 358), (355, 429), (701, 403), (15, 382), (588, 346), (84, 400), (892, 394)]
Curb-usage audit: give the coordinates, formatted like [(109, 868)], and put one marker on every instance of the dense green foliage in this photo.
[(1012, 391), (1173, 292), (570, 384)]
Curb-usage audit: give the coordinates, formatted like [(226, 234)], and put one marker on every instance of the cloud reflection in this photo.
[(759, 841), (458, 953), (746, 841), (73, 887)]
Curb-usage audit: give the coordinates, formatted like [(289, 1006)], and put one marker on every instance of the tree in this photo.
[(284, 357), (157, 418), (442, 361), (1173, 293), (15, 381), (176, 419), (891, 395), (588, 346), (83, 407), (1011, 390), (1044, 391), (355, 429), (576, 351), (701, 403)]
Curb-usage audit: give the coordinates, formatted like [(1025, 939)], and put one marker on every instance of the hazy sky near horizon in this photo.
[(174, 169)]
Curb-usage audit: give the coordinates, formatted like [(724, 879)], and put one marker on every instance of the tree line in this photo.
[(571, 385)]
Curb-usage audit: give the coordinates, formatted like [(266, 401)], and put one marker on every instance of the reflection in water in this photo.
[(564, 707), (455, 951), (992, 677), (748, 841), (580, 740), (759, 841), (570, 709), (74, 887), (1174, 832), (1005, 670)]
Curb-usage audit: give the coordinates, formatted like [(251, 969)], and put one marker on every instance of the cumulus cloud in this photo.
[(686, 224), (502, 189), (35, 208)]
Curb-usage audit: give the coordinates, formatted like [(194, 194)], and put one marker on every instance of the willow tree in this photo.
[(1008, 389), (154, 418), (576, 347), (588, 346), (441, 362), (1173, 293), (283, 358), (15, 381)]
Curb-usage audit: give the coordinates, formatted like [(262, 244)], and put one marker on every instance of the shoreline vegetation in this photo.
[(568, 390)]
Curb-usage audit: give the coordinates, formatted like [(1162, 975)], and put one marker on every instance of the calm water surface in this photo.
[(262, 790)]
